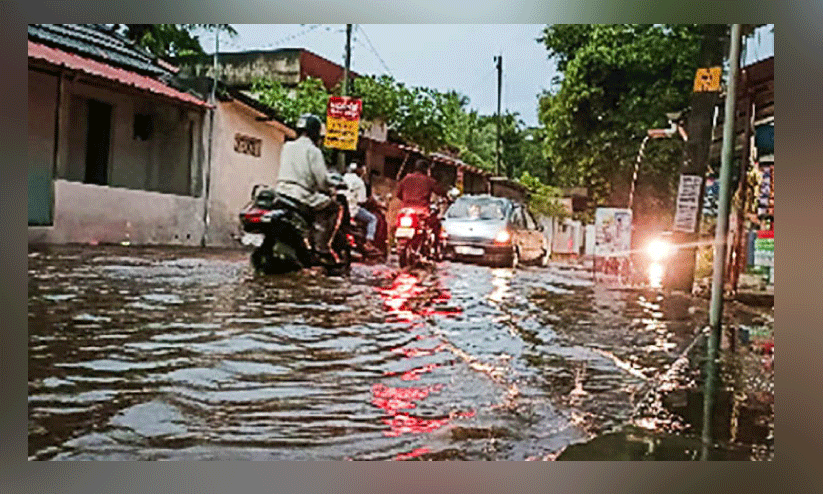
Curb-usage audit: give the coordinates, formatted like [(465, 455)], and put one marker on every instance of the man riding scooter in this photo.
[(304, 178), (415, 191), (357, 197)]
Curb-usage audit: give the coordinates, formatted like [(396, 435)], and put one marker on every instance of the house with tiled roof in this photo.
[(115, 153), (121, 151)]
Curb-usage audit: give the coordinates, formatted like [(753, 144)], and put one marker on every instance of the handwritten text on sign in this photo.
[(248, 145), (342, 122), (685, 217)]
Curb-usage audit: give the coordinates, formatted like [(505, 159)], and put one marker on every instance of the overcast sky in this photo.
[(442, 56)]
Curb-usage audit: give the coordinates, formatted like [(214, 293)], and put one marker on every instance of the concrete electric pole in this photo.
[(499, 60), (341, 155), (721, 233), (699, 129)]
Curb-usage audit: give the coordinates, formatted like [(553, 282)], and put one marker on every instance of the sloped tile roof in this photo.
[(98, 42), (73, 61)]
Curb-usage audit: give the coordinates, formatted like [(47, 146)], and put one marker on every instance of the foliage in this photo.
[(429, 118), (171, 40), (309, 96), (617, 82), (543, 199)]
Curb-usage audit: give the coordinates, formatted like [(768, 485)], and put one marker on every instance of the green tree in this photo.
[(172, 40), (617, 81), (309, 96), (543, 199)]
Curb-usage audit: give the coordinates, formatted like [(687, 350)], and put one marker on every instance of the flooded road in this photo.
[(150, 354)]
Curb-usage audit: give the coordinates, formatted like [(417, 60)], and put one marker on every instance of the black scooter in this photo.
[(285, 226)]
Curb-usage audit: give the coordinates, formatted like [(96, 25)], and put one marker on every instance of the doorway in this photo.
[(98, 138)]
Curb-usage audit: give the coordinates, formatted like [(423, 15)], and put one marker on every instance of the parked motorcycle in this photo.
[(280, 228), (416, 235)]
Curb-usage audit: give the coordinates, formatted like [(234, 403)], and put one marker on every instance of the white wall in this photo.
[(86, 213), (234, 174)]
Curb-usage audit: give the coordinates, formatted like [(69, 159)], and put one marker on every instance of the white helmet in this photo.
[(453, 193), (352, 167)]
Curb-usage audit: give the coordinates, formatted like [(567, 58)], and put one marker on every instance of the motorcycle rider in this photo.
[(415, 191), (357, 197), (304, 178)]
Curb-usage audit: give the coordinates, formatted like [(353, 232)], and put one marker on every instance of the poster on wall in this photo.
[(688, 196), (613, 231), (764, 249), (765, 208), (343, 123)]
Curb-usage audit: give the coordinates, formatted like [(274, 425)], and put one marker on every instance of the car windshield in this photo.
[(477, 209)]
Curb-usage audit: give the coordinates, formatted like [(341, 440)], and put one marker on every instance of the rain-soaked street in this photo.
[(161, 353)]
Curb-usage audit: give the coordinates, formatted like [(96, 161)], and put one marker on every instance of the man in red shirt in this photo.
[(415, 192), (416, 188)]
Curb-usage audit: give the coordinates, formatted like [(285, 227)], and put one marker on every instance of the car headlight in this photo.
[(502, 236)]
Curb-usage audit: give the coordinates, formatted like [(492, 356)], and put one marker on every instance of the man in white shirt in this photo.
[(304, 177), (357, 197)]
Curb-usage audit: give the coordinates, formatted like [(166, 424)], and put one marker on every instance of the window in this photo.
[(517, 218), (483, 209), (143, 126), (530, 223)]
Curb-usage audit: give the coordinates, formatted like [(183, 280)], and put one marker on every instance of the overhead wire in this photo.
[(373, 49)]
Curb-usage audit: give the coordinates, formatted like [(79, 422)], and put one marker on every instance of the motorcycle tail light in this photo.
[(407, 221)]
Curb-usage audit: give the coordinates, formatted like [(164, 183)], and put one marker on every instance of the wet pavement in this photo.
[(164, 353)]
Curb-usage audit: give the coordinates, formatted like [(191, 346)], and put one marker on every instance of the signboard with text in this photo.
[(343, 123), (612, 231), (764, 248), (688, 195)]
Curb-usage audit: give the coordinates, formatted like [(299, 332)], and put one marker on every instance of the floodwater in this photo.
[(186, 354)]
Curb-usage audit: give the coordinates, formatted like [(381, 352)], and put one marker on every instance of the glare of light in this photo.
[(656, 275), (658, 249), (406, 221), (502, 236)]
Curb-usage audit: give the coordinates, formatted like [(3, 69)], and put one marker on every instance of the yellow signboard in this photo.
[(708, 79), (343, 123)]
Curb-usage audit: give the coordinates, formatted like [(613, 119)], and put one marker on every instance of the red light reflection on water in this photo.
[(414, 374), (412, 454), (405, 288), (407, 299)]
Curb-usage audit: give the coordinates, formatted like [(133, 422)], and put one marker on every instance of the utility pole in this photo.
[(700, 131), (499, 60), (341, 155), (213, 101), (721, 233)]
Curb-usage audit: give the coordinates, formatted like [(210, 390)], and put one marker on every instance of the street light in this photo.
[(675, 128)]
